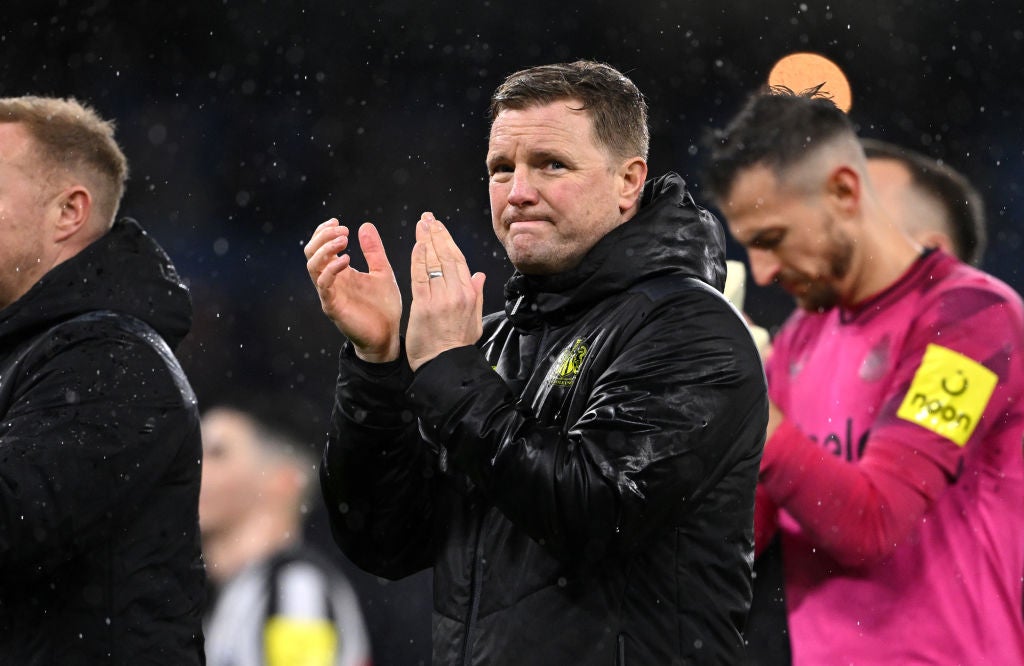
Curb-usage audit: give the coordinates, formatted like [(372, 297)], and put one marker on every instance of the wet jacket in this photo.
[(582, 479), (99, 464)]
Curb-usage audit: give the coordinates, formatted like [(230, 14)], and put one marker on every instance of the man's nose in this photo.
[(523, 193), (764, 266)]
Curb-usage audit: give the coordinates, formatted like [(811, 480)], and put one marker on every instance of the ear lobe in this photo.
[(633, 174), (75, 209)]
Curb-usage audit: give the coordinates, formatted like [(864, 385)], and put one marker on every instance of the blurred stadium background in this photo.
[(248, 123)]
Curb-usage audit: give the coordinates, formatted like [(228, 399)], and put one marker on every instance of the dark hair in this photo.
[(965, 209), (775, 128), (282, 423), (277, 439), (617, 108), (71, 136)]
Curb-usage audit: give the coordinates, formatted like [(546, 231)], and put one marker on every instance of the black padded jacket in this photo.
[(99, 464), (582, 479)]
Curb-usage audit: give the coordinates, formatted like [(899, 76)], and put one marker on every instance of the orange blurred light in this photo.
[(803, 71)]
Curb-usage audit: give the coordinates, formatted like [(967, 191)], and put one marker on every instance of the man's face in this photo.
[(554, 190), (232, 471), (790, 237), (23, 212)]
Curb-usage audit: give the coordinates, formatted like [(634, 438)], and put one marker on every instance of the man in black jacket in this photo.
[(99, 433), (579, 469)]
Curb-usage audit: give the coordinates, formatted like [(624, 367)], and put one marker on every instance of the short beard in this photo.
[(819, 298), (821, 295)]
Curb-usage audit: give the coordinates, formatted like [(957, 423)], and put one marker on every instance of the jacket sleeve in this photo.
[(83, 441), (377, 475), (680, 404)]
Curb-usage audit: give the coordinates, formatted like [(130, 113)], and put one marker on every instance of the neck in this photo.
[(228, 551), (885, 253)]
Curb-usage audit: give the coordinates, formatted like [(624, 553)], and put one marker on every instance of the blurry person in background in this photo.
[(99, 433), (893, 468), (277, 602), (933, 202), (579, 468)]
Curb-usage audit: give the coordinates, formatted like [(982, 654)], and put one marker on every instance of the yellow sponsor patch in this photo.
[(949, 394), (291, 642)]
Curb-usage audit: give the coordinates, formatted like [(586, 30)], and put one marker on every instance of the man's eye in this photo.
[(555, 164), (500, 168), (767, 242)]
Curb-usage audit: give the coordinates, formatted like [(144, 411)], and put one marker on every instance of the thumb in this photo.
[(373, 249)]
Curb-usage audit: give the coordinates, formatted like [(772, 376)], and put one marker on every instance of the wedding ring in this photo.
[(433, 274)]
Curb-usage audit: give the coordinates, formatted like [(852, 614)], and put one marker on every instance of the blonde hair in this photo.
[(71, 137)]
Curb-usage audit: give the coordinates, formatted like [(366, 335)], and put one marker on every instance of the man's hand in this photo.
[(447, 302), (366, 307)]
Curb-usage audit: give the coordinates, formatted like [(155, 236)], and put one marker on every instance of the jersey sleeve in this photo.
[(959, 370), (950, 385), (766, 520)]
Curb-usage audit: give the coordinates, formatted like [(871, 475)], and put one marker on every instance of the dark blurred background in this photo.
[(248, 123)]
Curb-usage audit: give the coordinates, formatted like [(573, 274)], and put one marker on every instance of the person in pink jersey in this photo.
[(893, 468)]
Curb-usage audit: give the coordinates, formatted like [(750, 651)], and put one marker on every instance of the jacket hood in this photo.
[(125, 270), (670, 234)]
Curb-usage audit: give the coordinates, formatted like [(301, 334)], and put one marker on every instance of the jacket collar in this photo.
[(670, 234), (125, 270)]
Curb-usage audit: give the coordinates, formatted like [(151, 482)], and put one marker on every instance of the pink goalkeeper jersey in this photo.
[(932, 368)]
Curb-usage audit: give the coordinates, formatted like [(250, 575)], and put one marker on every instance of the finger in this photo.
[(319, 237), (418, 261), (477, 281), (425, 235), (330, 244), (452, 261), (325, 243), (325, 279), (373, 249)]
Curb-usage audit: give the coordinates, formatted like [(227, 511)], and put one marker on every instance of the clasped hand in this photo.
[(447, 301)]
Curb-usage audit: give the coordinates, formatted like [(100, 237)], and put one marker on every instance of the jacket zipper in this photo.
[(515, 308), (474, 592)]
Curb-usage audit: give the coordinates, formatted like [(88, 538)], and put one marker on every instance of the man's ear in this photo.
[(844, 188), (75, 210), (632, 176)]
